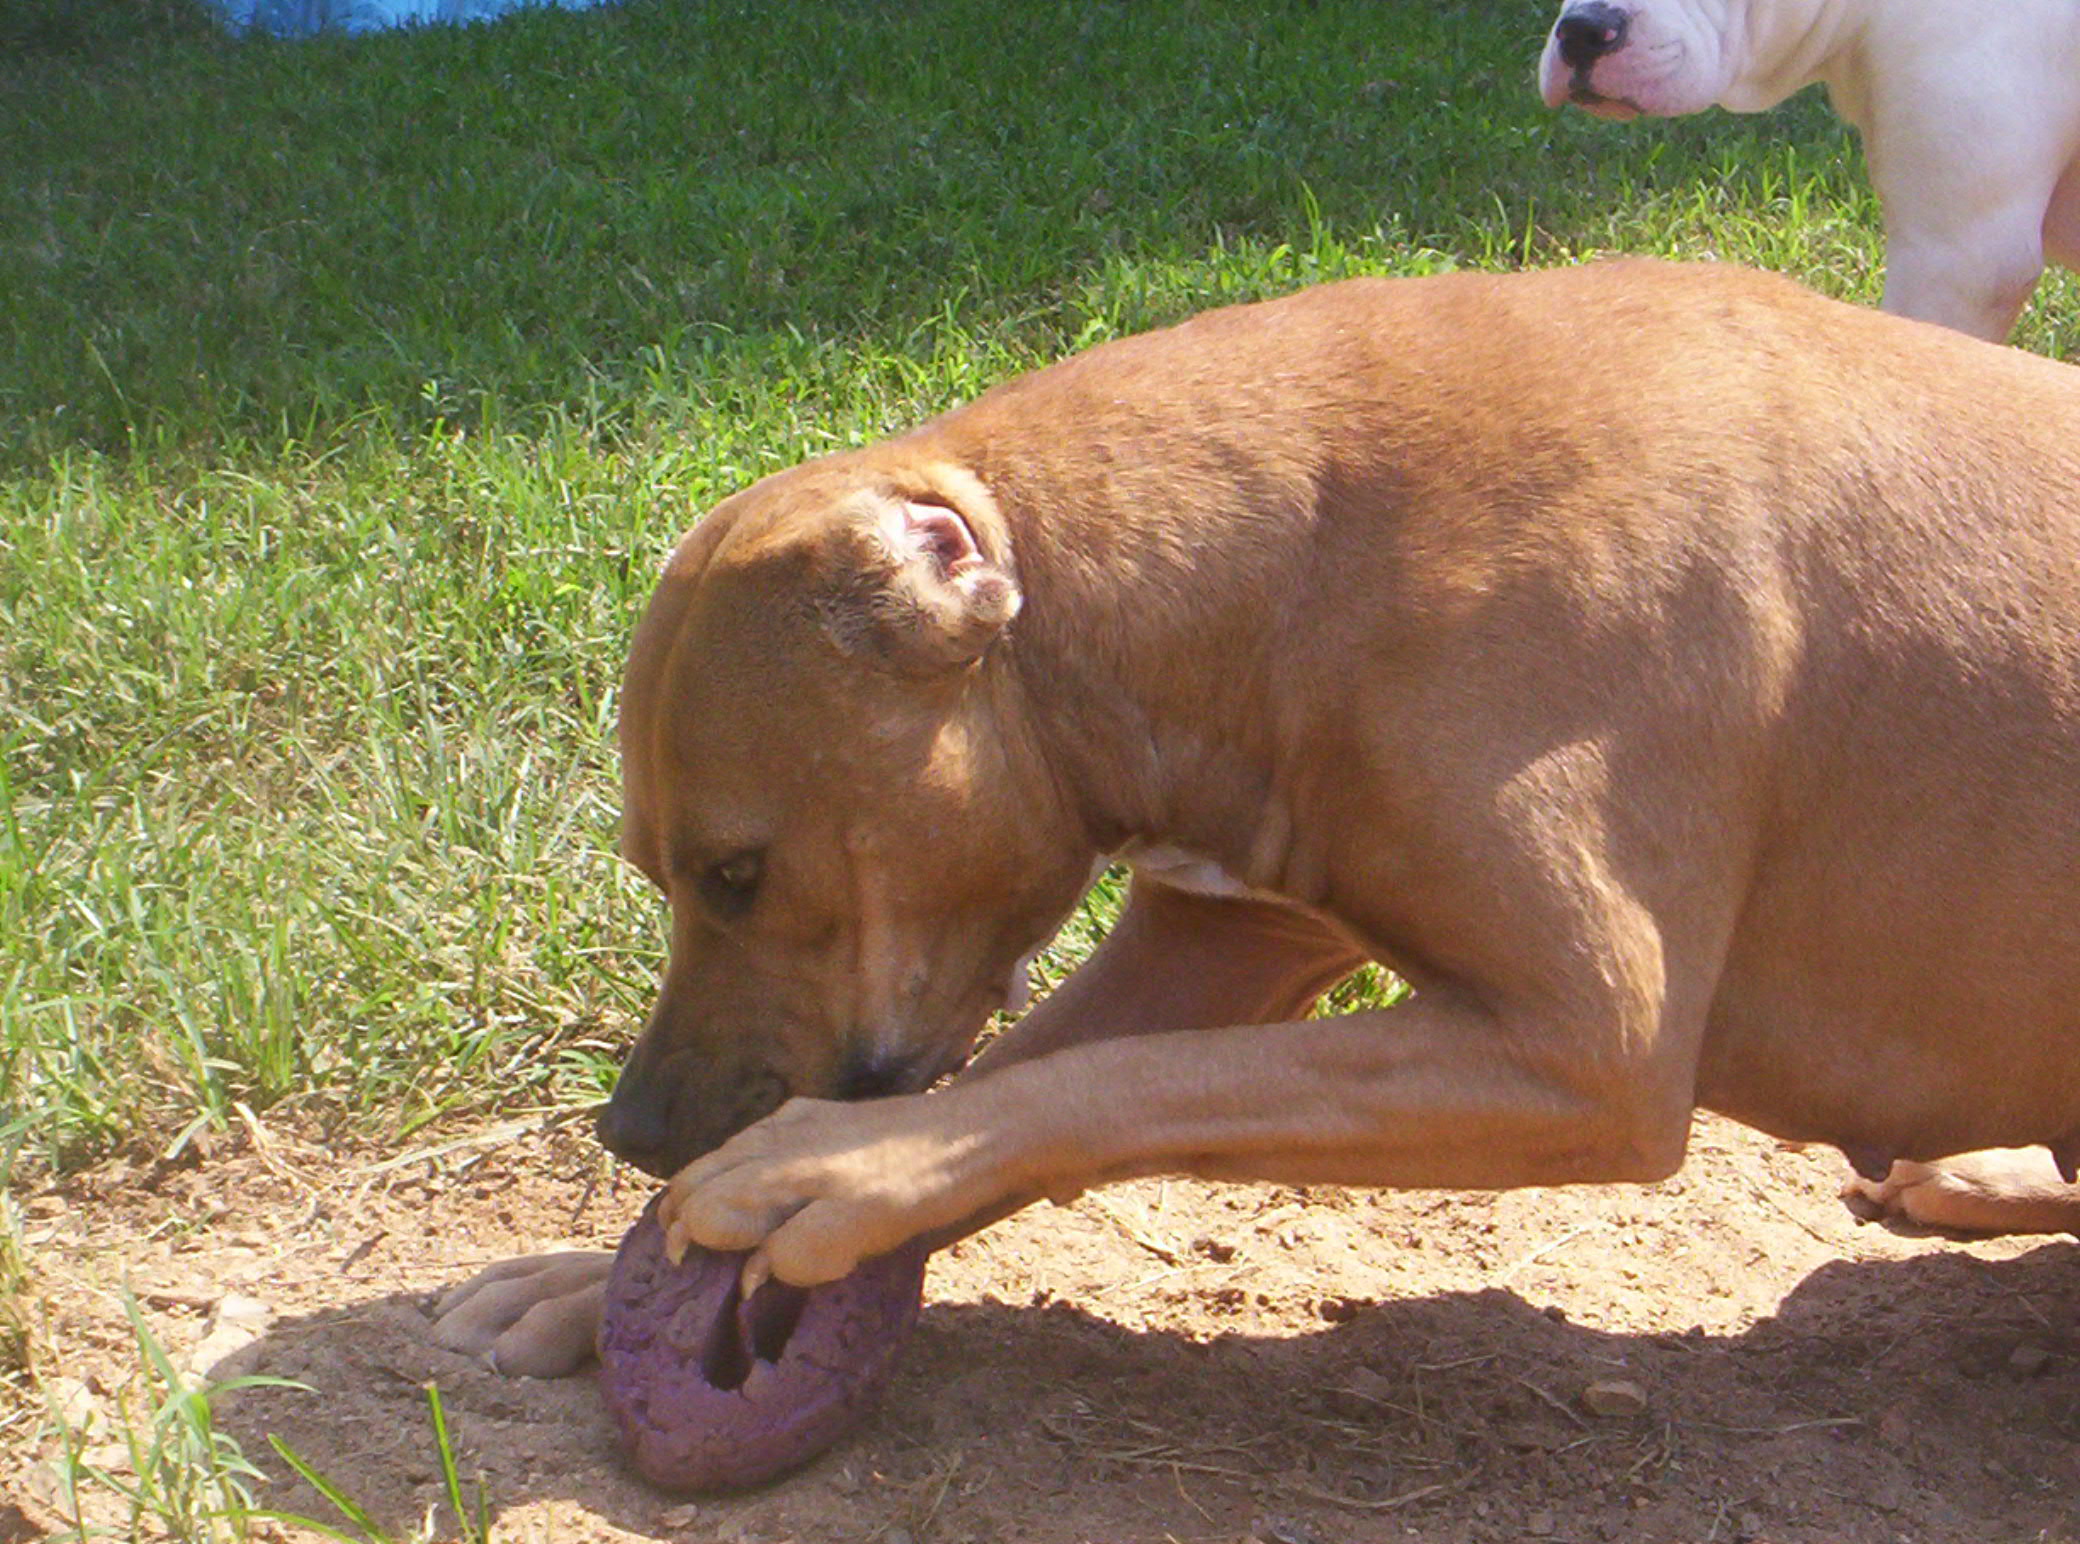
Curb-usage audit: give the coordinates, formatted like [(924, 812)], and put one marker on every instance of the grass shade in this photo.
[(352, 390)]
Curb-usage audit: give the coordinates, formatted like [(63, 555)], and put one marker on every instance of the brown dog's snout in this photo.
[(668, 1109), (669, 1106), (877, 1074), (1587, 32), (636, 1123)]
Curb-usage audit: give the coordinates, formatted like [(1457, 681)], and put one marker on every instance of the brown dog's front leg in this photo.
[(1439, 1092), (1178, 959), (1175, 960)]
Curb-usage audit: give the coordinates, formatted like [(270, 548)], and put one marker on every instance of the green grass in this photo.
[(238, 244), (350, 392), (179, 1476)]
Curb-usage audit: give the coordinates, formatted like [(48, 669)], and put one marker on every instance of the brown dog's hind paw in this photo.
[(2000, 1190), (536, 1317)]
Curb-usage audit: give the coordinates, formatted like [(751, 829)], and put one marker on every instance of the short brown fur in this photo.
[(1673, 674)]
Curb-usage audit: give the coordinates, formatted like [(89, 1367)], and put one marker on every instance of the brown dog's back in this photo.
[(1811, 574), (1674, 674)]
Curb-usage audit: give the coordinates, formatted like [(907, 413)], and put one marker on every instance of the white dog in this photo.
[(1970, 116)]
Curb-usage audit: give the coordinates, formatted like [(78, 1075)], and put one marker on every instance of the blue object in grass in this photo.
[(304, 18)]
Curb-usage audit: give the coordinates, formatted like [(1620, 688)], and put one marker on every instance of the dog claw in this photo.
[(757, 1271)]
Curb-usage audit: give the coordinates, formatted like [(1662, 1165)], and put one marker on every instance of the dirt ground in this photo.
[(1162, 1361)]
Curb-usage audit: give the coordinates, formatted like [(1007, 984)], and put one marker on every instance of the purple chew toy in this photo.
[(716, 1391)]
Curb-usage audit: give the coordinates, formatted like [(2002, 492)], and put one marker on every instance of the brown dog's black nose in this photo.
[(669, 1106), (1587, 32), (636, 1124), (875, 1075)]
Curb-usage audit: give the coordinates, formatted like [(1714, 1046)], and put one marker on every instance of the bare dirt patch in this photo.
[(1161, 1361)]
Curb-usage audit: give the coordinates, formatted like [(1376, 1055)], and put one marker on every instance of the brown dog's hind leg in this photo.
[(2000, 1190), (1180, 959)]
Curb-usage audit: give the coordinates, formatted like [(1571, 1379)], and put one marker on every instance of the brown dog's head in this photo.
[(826, 773)]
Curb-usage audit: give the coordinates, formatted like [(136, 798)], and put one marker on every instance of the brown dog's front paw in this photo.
[(536, 1317), (819, 1186)]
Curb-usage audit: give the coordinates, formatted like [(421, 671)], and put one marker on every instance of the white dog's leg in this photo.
[(535, 1317), (1977, 279), (1965, 179)]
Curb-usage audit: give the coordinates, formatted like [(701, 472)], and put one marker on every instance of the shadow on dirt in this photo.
[(1935, 1398)]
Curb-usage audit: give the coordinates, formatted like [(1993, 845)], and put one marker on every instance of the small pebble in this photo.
[(1614, 1397), (1284, 1530), (108, 1457), (236, 1308), (2029, 1360), (79, 1407)]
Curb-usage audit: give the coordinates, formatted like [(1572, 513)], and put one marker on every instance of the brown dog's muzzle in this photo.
[(672, 1104)]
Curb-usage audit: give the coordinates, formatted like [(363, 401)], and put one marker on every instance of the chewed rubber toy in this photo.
[(714, 1390)]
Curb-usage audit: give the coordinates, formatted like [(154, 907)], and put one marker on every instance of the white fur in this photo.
[(1969, 109)]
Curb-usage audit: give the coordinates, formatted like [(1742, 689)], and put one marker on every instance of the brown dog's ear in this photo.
[(923, 593)]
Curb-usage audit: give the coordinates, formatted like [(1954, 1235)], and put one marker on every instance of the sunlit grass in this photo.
[(351, 392), (175, 1473)]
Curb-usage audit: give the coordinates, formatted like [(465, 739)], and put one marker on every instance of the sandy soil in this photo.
[(1163, 1361)]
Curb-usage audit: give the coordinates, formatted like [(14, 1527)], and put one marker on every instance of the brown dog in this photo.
[(1674, 675)]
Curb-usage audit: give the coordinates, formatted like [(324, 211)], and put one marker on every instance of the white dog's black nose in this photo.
[(1585, 33)]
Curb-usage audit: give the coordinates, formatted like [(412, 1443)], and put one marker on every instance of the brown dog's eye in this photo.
[(731, 885)]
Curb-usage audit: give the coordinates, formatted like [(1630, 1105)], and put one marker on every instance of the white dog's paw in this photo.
[(535, 1317), (1999, 1190)]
